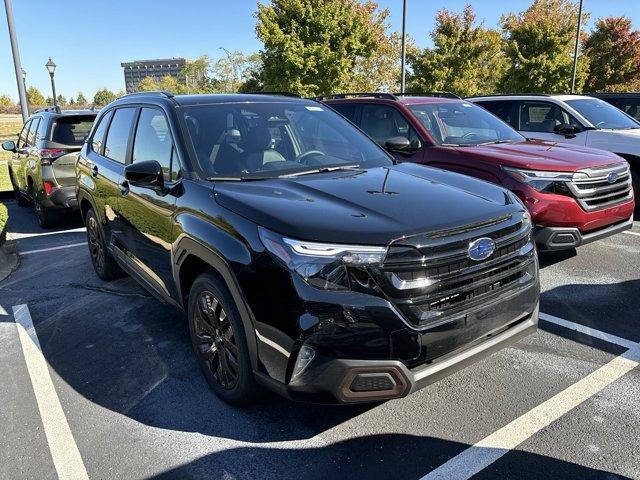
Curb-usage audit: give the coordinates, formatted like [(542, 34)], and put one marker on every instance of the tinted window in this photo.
[(71, 130), (33, 129), (348, 110), (260, 140), (382, 122), (601, 114), (153, 141), (98, 136), (543, 117), (22, 138), (463, 123), (115, 145), (502, 110)]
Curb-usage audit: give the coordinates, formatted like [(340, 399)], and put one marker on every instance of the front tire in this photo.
[(103, 263), (219, 342), (47, 217)]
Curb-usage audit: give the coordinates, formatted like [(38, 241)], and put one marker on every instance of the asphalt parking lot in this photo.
[(99, 381)]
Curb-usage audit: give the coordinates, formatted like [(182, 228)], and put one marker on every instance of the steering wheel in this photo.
[(469, 135), (303, 157), (600, 123)]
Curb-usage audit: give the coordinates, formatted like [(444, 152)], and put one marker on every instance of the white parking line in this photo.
[(491, 448), (632, 233), (61, 247), (20, 236), (64, 451)]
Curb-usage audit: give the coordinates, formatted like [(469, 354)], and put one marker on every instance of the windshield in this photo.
[(602, 115), (264, 140), (463, 124)]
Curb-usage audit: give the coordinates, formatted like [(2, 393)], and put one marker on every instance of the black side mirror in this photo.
[(9, 146), (565, 129), (146, 174), (398, 144)]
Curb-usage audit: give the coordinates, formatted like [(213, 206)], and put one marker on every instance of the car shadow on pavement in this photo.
[(24, 220), (371, 457), (131, 354), (612, 308)]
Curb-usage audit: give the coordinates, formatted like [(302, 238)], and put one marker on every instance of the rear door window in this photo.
[(543, 117), (347, 110), (33, 130), (115, 146), (502, 110), (71, 130)]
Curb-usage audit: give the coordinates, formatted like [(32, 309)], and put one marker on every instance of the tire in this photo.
[(103, 263), (47, 217), (219, 342)]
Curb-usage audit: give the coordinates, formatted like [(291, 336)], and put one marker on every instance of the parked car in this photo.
[(628, 102), (42, 167), (575, 119), (307, 261), (575, 195)]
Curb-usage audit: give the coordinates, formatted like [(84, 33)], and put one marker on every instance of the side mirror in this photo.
[(146, 174), (398, 144), (9, 146), (565, 129)]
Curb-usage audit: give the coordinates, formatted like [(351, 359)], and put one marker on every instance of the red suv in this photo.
[(575, 194)]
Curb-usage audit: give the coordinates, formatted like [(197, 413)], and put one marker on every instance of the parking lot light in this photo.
[(51, 68)]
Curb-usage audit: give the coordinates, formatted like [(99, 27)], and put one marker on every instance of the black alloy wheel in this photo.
[(103, 263), (216, 341)]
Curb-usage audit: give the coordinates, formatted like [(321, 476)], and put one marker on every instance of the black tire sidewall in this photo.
[(244, 391)]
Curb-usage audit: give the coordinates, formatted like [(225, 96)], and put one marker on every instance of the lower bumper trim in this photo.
[(560, 238)]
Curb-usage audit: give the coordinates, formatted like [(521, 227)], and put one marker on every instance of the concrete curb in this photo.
[(9, 259)]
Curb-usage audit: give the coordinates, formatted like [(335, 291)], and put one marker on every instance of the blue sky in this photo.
[(89, 39)]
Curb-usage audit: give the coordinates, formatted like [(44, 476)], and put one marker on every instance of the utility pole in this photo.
[(404, 38), (22, 94), (575, 50)]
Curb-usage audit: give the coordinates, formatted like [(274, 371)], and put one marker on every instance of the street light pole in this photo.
[(51, 68), (575, 50), (404, 37), (22, 93)]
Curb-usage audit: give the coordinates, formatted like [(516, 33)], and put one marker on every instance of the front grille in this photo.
[(599, 190), (430, 277)]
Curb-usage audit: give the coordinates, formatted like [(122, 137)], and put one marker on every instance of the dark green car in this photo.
[(42, 167)]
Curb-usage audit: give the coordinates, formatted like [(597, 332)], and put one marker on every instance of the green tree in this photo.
[(35, 98), (613, 49), (312, 46), (6, 101), (72, 102), (539, 43), (62, 101), (232, 72), (466, 58), (197, 76), (148, 84), (103, 97), (81, 99), (171, 84)]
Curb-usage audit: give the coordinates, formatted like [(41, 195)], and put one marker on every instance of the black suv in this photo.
[(306, 259), (42, 168)]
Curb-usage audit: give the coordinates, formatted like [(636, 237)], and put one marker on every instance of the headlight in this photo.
[(548, 182), (323, 265)]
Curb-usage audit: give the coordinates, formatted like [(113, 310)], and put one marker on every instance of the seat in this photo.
[(257, 149)]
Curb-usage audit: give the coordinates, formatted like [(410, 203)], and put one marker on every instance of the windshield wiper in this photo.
[(495, 142), (322, 170)]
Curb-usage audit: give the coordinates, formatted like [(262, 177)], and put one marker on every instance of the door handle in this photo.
[(124, 188)]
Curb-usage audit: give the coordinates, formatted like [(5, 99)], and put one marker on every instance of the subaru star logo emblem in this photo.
[(481, 249), (612, 177)]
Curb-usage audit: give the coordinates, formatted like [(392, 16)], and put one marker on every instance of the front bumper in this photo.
[(560, 238), (330, 380)]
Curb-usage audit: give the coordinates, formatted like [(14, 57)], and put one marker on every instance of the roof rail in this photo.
[(514, 95), (428, 94), (163, 93), (334, 96), (282, 94), (55, 109)]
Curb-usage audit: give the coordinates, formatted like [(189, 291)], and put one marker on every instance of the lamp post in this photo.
[(575, 50), (51, 68), (404, 38), (22, 94)]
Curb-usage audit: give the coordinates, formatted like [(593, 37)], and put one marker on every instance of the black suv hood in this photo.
[(373, 206)]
